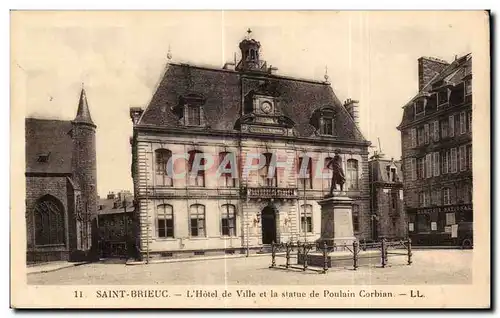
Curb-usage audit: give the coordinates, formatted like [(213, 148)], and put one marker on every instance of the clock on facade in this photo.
[(266, 107)]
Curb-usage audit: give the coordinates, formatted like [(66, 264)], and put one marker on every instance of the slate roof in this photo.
[(451, 75), (378, 172), (106, 206), (223, 91), (48, 137)]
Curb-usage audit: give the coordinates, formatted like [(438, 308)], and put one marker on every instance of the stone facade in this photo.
[(246, 111), (386, 183), (61, 193), (436, 135)]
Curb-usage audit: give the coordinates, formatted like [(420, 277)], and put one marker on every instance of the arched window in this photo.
[(49, 222), (306, 218), (304, 171), (327, 174), (163, 175), (196, 178), (227, 178), (197, 220), (352, 174), (228, 220), (165, 220)]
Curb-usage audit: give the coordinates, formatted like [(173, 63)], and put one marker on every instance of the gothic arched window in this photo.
[(49, 222)]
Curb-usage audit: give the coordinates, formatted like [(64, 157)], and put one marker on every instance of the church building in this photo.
[(61, 193), (269, 129)]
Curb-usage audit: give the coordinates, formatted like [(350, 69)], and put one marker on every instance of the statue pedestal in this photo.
[(336, 220)]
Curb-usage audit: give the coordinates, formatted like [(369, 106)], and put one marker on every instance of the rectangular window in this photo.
[(469, 120), (413, 137), (228, 220), (442, 97), (306, 219), (421, 136), (196, 179), (453, 154), (419, 107), (469, 156), (436, 130), (446, 196), (444, 129), (468, 87), (463, 129), (421, 168), (427, 199), (435, 163), (326, 126), (451, 124), (197, 220), (227, 179), (165, 221), (446, 162), (462, 153), (423, 223), (428, 165), (194, 116), (426, 133), (413, 169), (305, 173)]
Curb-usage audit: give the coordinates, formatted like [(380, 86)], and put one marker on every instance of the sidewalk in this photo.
[(52, 266), (199, 258)]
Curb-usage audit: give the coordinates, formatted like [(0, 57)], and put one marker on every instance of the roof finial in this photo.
[(169, 53), (249, 32), (326, 74)]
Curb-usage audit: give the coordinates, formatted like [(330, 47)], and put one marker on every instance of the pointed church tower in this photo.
[(84, 170)]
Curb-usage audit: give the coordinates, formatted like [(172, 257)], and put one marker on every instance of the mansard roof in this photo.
[(224, 90), (450, 76)]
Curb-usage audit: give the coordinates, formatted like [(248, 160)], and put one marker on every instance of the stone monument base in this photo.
[(336, 221)]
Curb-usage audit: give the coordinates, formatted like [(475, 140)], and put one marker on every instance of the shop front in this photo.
[(449, 225)]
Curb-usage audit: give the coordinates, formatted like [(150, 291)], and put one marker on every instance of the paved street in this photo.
[(429, 267)]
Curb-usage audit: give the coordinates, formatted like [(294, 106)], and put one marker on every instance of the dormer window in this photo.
[(468, 87), (194, 115), (43, 157), (323, 119), (327, 126), (419, 106), (190, 110), (442, 97)]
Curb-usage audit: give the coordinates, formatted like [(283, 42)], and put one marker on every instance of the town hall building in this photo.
[(243, 111)]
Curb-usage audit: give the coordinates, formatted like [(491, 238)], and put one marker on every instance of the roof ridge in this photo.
[(287, 77)]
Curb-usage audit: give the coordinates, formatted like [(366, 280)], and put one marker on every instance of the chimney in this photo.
[(135, 114), (428, 68), (352, 108)]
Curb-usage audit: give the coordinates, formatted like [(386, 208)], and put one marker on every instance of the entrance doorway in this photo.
[(268, 225)]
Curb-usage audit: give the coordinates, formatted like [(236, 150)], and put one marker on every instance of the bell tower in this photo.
[(250, 59), (84, 173)]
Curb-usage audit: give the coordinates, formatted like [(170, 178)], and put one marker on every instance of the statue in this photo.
[(338, 176)]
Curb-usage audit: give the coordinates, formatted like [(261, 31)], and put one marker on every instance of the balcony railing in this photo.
[(270, 192)]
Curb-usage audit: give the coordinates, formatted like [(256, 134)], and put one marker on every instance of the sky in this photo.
[(120, 57)]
